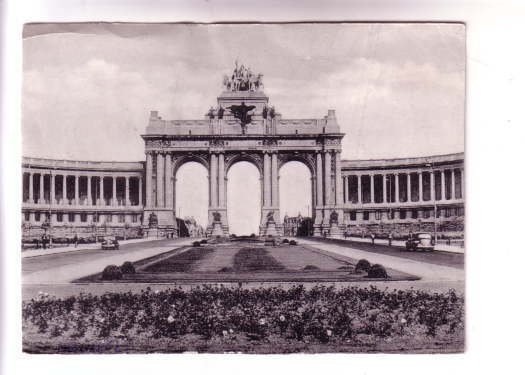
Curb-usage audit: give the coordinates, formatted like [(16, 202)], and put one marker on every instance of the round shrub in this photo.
[(127, 268), (112, 272), (286, 240), (196, 244), (377, 271), (362, 266), (293, 242), (203, 242)]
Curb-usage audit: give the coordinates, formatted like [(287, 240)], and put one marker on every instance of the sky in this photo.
[(398, 89)]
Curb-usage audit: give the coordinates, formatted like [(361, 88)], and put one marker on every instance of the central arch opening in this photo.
[(244, 199), (191, 193)]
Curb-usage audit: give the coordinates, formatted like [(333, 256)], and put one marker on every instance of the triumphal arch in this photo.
[(244, 126)]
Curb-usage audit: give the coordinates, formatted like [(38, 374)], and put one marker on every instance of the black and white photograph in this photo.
[(243, 188)]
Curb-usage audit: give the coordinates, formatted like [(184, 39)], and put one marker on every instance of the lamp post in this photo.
[(431, 165)]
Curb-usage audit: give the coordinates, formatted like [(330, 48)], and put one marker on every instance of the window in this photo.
[(109, 218), (60, 217), (121, 218), (134, 218), (37, 216), (426, 214), (83, 217), (461, 211), (391, 215), (95, 218), (366, 215), (71, 217), (403, 214), (352, 216), (414, 214), (26, 216), (378, 215)]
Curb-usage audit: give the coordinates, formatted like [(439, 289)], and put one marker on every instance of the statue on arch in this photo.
[(270, 218), (240, 112), (334, 218), (153, 221), (216, 217)]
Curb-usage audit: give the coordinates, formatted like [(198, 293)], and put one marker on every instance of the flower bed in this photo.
[(229, 317), (180, 262), (255, 259)]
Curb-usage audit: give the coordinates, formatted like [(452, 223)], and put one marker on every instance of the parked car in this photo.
[(420, 241), (110, 243)]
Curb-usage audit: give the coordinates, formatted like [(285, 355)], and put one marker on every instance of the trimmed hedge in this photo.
[(127, 268), (377, 271), (362, 265), (112, 272)]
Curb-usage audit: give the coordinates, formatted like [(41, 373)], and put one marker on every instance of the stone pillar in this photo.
[(452, 184), (327, 178), (41, 192), (266, 180), (126, 187), (420, 186), (383, 176), (149, 180), (160, 180), (443, 190), (101, 190), (338, 180), (397, 187), (52, 189), (359, 192), (114, 191), (89, 200), (213, 181), (432, 188), (372, 192), (345, 189), (31, 198), (140, 202), (64, 189), (275, 182), (409, 188), (462, 175), (168, 182), (77, 199), (222, 190), (319, 179)]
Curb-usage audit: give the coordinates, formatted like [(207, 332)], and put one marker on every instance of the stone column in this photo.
[(31, 199), (409, 188), (338, 180), (266, 182), (443, 190), (77, 199), (432, 189), (275, 182), (160, 180), (383, 176), (213, 181), (222, 182), (52, 189), (372, 192), (319, 179), (149, 180), (64, 189), (89, 200), (168, 182), (359, 198), (452, 184), (126, 187), (101, 190), (327, 178), (462, 175), (420, 186), (114, 191), (397, 187), (41, 196), (140, 202)]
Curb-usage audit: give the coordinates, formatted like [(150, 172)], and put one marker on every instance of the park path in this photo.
[(70, 272), (427, 271)]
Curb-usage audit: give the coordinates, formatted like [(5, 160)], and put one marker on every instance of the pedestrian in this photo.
[(75, 240), (44, 241), (390, 239), (373, 237)]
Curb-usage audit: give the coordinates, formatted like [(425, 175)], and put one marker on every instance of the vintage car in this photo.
[(110, 243), (419, 241)]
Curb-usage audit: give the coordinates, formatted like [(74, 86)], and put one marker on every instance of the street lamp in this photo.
[(431, 166)]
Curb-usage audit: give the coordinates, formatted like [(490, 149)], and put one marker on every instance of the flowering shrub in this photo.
[(322, 314)]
